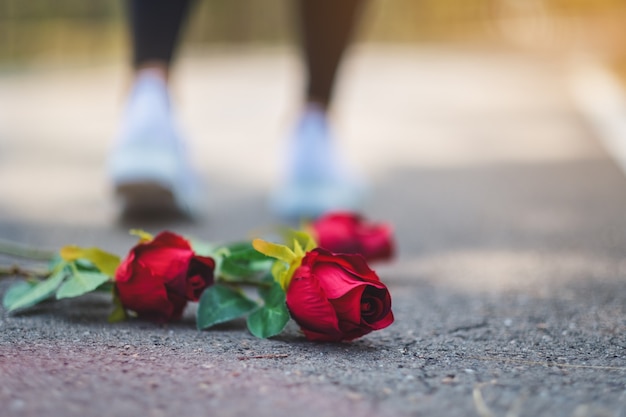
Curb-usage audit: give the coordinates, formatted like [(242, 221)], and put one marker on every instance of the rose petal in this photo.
[(199, 276), (171, 264), (337, 286), (353, 263), (336, 281), (345, 232), (179, 302), (125, 269), (195, 286), (376, 242), (169, 240), (380, 302), (167, 255), (310, 307), (146, 296), (335, 232), (348, 307), (371, 308)]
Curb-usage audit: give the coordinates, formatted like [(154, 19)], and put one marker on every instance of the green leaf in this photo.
[(106, 287), (273, 296), (16, 291), (242, 261), (268, 321), (219, 304), (230, 269), (56, 262), (271, 319), (40, 291), (248, 254), (117, 315), (239, 246), (233, 269), (80, 283), (106, 262)]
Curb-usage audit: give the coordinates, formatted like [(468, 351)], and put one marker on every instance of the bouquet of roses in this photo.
[(318, 276)]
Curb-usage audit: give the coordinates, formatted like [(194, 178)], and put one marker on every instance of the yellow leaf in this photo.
[(304, 237), (279, 269), (287, 260), (106, 262), (297, 249), (288, 275), (143, 236), (310, 240), (283, 272), (274, 250), (71, 252)]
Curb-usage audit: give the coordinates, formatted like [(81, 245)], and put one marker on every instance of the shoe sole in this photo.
[(147, 197)]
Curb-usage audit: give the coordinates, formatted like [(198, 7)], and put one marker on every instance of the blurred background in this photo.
[(448, 85), (92, 30)]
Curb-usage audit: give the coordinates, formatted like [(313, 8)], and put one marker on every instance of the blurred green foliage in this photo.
[(31, 29), (57, 28)]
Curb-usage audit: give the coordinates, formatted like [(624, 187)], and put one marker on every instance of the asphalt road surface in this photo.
[(509, 288)]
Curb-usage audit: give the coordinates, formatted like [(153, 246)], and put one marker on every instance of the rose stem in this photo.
[(15, 270), (252, 283), (21, 251)]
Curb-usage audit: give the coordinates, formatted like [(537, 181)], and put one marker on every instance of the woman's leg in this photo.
[(155, 27), (317, 177), (326, 27), (148, 165)]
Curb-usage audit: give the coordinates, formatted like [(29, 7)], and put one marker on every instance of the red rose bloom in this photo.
[(350, 233), (158, 277), (337, 297)]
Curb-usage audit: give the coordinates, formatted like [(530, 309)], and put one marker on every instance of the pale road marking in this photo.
[(601, 100)]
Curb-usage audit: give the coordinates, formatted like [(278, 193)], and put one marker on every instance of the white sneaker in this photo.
[(148, 164), (316, 177)]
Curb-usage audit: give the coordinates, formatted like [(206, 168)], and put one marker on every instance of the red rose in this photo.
[(158, 277), (350, 233), (337, 297)]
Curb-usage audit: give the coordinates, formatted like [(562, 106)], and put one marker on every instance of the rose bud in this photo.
[(158, 277), (344, 232), (336, 297)]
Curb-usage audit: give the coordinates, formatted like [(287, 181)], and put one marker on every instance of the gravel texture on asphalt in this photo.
[(532, 356), (509, 289)]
